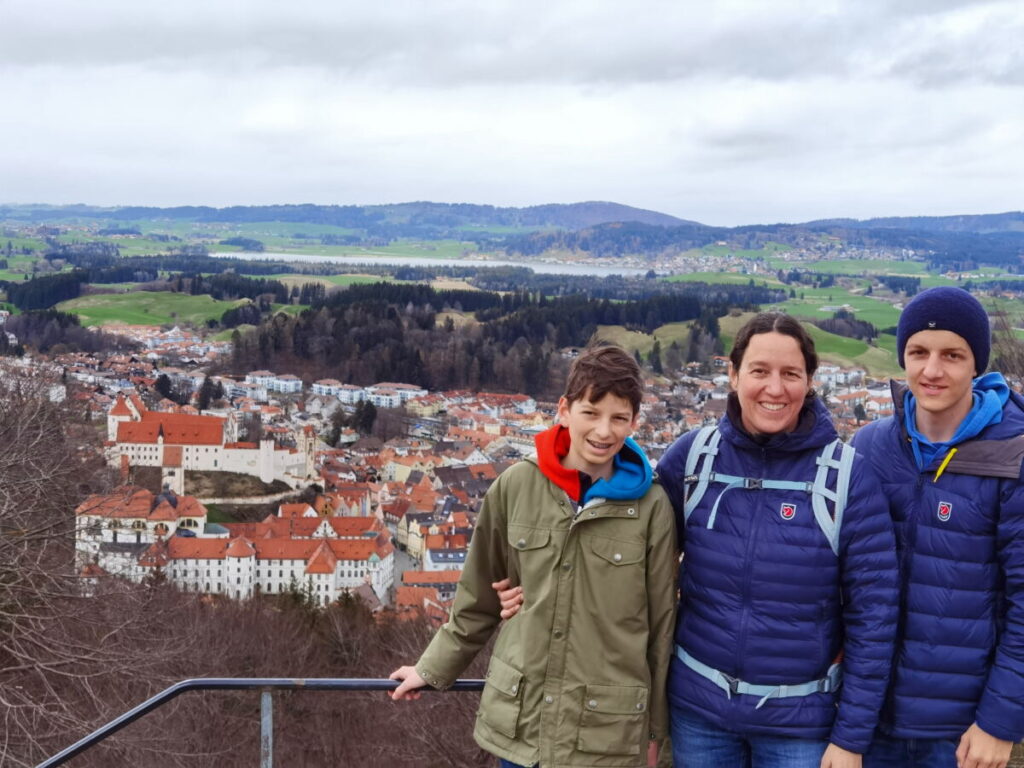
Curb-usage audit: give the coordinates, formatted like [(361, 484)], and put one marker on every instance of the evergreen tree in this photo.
[(655, 357)]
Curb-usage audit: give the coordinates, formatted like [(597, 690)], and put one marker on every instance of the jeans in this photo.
[(887, 752), (697, 743), (506, 764)]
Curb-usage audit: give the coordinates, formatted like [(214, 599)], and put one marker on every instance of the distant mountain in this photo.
[(412, 219), (984, 224)]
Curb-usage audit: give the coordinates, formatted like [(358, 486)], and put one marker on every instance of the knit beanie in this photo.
[(947, 309)]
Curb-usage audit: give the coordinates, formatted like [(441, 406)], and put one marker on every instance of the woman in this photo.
[(788, 569), (767, 606)]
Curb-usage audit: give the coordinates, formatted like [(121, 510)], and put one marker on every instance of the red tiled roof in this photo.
[(240, 547), (120, 407), (176, 428), (322, 561), (195, 548)]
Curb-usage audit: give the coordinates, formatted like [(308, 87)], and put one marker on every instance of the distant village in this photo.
[(386, 521)]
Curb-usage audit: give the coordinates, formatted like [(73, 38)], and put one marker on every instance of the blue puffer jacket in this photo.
[(960, 650), (764, 598)]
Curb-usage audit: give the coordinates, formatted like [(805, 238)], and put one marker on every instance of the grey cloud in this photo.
[(462, 43)]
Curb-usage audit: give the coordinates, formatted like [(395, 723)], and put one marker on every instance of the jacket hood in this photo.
[(631, 472), (1009, 425), (814, 429)]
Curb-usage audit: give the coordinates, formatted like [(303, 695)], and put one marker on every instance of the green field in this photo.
[(856, 267), (879, 361), (820, 303), (760, 253), (17, 267), (146, 308), (725, 278), (295, 278), (636, 341)]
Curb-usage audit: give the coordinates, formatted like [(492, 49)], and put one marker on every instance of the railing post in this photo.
[(266, 729)]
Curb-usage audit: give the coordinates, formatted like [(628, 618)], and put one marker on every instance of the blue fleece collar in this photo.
[(990, 395), (631, 476)]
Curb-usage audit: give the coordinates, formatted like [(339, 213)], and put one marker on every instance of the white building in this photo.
[(179, 442), (133, 533)]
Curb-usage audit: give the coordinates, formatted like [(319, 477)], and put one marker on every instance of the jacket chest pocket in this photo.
[(613, 574), (613, 720), (533, 550)]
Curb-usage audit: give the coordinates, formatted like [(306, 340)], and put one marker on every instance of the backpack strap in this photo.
[(831, 524), (704, 447)]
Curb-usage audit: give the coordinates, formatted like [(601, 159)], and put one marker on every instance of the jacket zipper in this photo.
[(748, 573)]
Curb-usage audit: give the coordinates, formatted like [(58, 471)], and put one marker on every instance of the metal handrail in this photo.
[(264, 684)]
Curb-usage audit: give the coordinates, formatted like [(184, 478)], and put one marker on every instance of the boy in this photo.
[(577, 678), (950, 464)]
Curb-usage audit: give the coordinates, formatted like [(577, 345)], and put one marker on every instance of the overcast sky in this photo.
[(723, 112)]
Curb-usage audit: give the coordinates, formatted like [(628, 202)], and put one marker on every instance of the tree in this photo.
[(163, 385), (206, 394), (859, 413), (655, 357), (364, 417)]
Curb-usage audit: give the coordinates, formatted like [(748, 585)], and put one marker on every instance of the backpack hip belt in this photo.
[(828, 684)]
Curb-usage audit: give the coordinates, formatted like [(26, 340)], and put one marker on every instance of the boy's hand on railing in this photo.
[(410, 681), (511, 597)]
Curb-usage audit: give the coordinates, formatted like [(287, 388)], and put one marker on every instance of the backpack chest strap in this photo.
[(752, 484), (835, 456)]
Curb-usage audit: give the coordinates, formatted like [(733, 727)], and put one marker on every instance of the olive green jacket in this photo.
[(577, 677)]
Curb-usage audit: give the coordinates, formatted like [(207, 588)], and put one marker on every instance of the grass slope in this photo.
[(146, 308)]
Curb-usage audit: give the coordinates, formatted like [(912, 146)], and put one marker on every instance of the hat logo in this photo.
[(945, 510), (931, 323), (788, 511)]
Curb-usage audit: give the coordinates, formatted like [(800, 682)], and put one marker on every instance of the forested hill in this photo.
[(1012, 221), (416, 217)]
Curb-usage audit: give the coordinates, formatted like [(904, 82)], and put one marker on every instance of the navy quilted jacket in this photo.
[(960, 650), (765, 599)]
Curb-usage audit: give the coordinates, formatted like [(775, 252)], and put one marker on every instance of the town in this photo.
[(386, 518)]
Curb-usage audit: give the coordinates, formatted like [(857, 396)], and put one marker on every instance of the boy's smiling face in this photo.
[(596, 432)]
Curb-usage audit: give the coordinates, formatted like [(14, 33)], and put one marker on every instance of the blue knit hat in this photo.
[(947, 309)]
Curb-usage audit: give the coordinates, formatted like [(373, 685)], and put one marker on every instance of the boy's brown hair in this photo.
[(601, 369)]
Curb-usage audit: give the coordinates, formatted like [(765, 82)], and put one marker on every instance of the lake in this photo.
[(540, 267)]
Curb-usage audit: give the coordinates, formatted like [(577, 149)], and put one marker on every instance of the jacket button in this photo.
[(617, 557), (521, 543), (515, 688), (592, 703), (566, 566), (549, 699), (639, 706), (631, 511), (558, 634)]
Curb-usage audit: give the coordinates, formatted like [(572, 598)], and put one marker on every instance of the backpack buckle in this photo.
[(732, 682), (752, 483)]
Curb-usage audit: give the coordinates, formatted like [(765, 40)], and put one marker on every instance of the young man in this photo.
[(950, 464), (577, 678)]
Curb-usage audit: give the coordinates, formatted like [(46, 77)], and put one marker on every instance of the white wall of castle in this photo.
[(238, 578)]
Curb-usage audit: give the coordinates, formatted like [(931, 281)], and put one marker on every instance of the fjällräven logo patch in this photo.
[(788, 511), (945, 510)]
